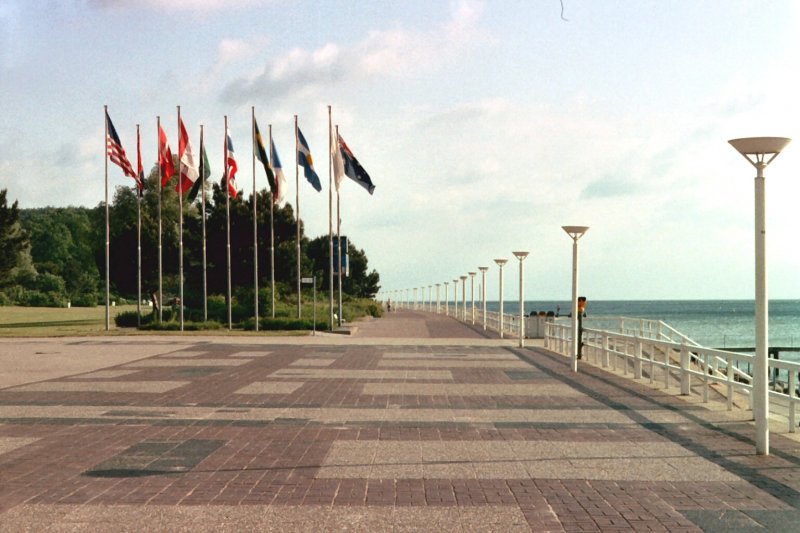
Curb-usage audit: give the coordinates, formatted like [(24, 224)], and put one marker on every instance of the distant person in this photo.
[(389, 305)]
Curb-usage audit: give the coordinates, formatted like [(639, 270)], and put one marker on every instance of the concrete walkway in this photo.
[(415, 423)]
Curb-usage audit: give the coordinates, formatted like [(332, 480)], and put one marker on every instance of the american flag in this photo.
[(115, 151), (232, 168)]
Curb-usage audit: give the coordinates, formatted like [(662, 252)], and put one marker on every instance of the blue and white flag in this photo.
[(305, 160)]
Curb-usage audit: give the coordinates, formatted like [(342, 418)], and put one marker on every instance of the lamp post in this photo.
[(430, 298), (437, 298), (455, 298), (760, 152), (483, 293), (446, 300), (464, 298), (521, 256), (501, 263), (472, 294), (575, 232)]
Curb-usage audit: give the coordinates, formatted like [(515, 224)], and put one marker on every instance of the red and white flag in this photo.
[(231, 162), (187, 163), (165, 157)]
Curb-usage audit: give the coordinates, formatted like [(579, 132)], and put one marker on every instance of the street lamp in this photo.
[(446, 299), (483, 292), (455, 298), (521, 256), (472, 294), (501, 263), (575, 232), (756, 150), (437, 298), (464, 297), (430, 298)]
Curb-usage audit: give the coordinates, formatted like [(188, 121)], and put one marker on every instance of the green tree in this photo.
[(13, 240)]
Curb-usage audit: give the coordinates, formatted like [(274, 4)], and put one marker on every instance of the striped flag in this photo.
[(139, 168), (232, 168), (336, 154), (203, 174), (187, 163), (280, 179), (305, 160), (165, 157), (115, 151), (261, 155)]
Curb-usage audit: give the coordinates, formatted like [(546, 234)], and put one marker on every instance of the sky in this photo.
[(485, 126)]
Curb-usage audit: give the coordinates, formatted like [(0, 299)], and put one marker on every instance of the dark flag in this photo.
[(353, 169)]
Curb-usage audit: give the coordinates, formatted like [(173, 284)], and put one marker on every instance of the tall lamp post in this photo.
[(521, 256), (437, 298), (455, 298), (446, 299), (464, 298), (430, 298), (575, 232), (760, 152), (472, 294), (501, 263), (483, 293)]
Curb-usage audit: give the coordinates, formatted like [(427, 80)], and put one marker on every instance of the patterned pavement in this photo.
[(442, 430)]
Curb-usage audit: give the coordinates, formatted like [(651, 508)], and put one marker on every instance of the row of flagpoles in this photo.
[(192, 175)]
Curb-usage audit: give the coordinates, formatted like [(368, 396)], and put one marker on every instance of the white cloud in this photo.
[(383, 53), (177, 5)]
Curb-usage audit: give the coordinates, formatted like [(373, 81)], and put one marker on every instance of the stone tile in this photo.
[(103, 386), (271, 387), (336, 373), (470, 389)]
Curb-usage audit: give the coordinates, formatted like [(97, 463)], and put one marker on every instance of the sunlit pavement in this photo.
[(416, 422)]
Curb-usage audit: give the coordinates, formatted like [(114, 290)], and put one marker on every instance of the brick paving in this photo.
[(417, 423)]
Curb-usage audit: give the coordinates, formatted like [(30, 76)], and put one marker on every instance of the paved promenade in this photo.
[(415, 423)]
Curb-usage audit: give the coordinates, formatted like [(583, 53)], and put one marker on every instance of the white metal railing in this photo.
[(636, 346)]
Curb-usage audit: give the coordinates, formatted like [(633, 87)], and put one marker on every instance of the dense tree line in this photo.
[(54, 255)]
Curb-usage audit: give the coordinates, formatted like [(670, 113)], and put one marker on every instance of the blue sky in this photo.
[(485, 126)]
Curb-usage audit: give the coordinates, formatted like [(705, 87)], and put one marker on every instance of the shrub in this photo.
[(85, 300)]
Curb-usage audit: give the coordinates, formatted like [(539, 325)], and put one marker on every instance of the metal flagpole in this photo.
[(272, 233), (180, 220), (339, 240), (203, 211), (228, 223), (330, 219), (108, 228), (138, 234), (160, 194), (255, 216), (297, 199)]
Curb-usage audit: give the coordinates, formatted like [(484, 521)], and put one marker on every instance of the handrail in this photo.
[(651, 345)]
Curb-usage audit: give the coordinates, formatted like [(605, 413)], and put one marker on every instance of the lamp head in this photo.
[(755, 149), (576, 232), (501, 262), (472, 274), (520, 255), (483, 269), (463, 278)]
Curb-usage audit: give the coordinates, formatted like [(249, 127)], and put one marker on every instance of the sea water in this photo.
[(710, 323)]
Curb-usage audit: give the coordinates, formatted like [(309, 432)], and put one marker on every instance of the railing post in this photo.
[(605, 350), (729, 376), (652, 353), (637, 355), (686, 377), (667, 352), (706, 370), (792, 398)]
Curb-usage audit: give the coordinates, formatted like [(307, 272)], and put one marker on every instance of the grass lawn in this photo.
[(80, 321)]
